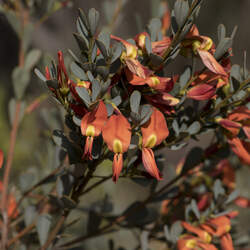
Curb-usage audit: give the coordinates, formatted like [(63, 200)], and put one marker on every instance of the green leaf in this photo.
[(193, 158), (68, 202), (32, 58), (40, 75), (116, 51), (81, 28), (223, 47), (83, 94), (104, 37), (194, 128), (148, 45), (117, 100), (175, 231), (64, 184), (94, 221), (12, 110), (83, 18), (30, 214), (218, 189), (96, 90), (135, 100), (145, 113), (221, 32), (81, 42), (43, 226), (93, 18), (20, 79), (185, 77), (78, 71), (102, 48), (181, 9), (154, 27), (27, 35), (144, 240)]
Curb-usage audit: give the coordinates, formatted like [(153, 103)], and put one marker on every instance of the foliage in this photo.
[(122, 105)]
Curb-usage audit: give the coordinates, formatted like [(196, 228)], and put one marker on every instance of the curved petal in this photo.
[(117, 128), (157, 127), (210, 62), (148, 160)]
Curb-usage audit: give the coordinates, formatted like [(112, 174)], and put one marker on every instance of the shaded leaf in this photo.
[(193, 158), (40, 75), (181, 9), (78, 71), (135, 100), (93, 19), (30, 214), (83, 94), (20, 79), (94, 221), (96, 90), (43, 226), (32, 58)]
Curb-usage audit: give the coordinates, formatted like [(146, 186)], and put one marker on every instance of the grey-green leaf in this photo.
[(40, 75), (20, 79), (84, 95), (78, 71), (43, 226), (96, 90), (30, 214), (181, 9), (135, 100), (93, 20), (153, 28), (32, 59), (194, 128)]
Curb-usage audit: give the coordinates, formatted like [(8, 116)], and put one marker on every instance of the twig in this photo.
[(7, 175)]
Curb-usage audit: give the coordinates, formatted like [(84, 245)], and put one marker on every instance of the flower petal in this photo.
[(148, 160), (117, 128), (210, 62)]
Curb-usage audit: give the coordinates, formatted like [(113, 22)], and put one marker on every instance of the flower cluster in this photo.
[(201, 236), (118, 90)]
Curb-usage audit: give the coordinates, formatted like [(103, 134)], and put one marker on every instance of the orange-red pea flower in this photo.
[(153, 133), (226, 242), (190, 242), (91, 126), (11, 204), (218, 226), (164, 84), (205, 86), (204, 47), (239, 118), (202, 234), (117, 135), (242, 202), (228, 173), (241, 149)]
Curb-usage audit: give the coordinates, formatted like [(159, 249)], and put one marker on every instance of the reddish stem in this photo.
[(4, 205)]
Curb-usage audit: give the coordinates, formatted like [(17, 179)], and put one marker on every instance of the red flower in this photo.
[(91, 126), (153, 133), (202, 46), (11, 204), (190, 242), (202, 92), (239, 118), (117, 135)]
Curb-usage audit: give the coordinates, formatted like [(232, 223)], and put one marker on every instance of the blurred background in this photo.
[(56, 34)]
